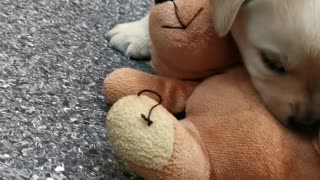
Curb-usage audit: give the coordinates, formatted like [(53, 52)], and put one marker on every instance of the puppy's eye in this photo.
[(272, 63)]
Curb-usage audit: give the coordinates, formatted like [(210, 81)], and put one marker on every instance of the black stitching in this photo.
[(147, 118), (183, 25)]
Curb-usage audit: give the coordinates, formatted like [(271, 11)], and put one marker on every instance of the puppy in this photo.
[(280, 44)]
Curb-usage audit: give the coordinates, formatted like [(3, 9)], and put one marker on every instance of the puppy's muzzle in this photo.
[(303, 123)]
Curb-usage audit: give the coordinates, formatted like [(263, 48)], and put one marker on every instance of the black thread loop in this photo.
[(147, 118)]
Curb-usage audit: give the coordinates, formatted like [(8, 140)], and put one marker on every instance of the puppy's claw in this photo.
[(132, 39), (115, 30), (119, 43), (109, 35), (137, 51)]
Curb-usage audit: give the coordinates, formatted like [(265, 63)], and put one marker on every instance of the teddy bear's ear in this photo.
[(224, 13)]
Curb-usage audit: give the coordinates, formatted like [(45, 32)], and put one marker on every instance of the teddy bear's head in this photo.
[(187, 25)]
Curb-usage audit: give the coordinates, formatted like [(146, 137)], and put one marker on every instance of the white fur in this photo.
[(289, 29), (131, 38)]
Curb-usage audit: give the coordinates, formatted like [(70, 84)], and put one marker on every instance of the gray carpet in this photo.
[(53, 59)]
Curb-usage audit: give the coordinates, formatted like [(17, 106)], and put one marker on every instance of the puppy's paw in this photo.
[(131, 38)]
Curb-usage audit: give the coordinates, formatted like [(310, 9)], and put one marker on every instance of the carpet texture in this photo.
[(53, 59)]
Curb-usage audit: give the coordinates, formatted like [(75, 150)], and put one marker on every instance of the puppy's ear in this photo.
[(224, 13)]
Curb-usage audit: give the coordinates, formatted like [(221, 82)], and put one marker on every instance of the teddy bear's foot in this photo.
[(131, 38), (153, 143)]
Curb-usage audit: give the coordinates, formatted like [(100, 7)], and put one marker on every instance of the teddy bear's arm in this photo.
[(124, 82)]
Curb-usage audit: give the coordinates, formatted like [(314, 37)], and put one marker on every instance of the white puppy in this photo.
[(280, 44)]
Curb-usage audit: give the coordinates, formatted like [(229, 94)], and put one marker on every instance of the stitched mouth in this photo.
[(182, 25)]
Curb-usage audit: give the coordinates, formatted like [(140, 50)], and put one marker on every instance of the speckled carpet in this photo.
[(53, 59)]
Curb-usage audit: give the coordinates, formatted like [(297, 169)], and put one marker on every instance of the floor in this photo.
[(53, 59)]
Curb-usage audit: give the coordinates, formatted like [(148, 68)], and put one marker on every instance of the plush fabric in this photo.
[(227, 132)]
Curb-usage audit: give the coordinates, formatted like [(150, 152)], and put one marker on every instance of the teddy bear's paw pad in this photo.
[(136, 140), (131, 38)]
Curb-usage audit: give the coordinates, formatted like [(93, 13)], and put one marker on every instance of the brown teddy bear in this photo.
[(226, 132), (184, 44)]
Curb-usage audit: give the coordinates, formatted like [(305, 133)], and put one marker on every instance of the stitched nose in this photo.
[(160, 1)]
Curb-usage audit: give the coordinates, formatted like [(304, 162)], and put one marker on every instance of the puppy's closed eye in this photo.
[(273, 63)]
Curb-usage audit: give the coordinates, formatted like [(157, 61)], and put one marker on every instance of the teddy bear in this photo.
[(225, 131)]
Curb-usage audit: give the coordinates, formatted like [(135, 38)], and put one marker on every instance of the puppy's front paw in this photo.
[(131, 39)]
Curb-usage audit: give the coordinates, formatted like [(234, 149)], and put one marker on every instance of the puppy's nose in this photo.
[(160, 1), (302, 124)]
